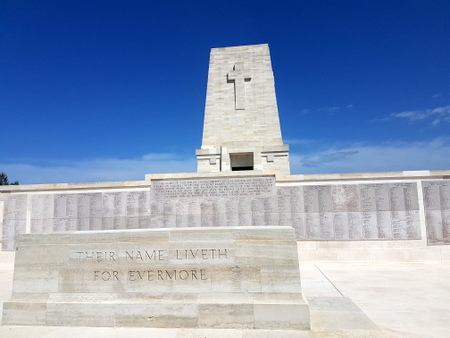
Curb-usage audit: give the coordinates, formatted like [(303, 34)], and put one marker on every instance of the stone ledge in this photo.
[(73, 186), (221, 174), (397, 175), (231, 313)]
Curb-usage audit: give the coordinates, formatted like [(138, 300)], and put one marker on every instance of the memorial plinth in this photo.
[(230, 277)]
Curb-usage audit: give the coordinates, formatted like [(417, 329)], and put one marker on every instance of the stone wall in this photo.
[(389, 208)]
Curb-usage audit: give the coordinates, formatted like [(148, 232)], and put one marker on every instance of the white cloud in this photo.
[(335, 109), (436, 122), (438, 114), (159, 157), (303, 142), (98, 170), (320, 159), (392, 156), (329, 109)]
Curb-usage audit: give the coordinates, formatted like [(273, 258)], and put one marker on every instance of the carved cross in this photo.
[(239, 75)]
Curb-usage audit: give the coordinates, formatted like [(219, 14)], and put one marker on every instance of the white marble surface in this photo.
[(404, 300)]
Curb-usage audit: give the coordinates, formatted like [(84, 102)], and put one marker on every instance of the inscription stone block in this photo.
[(221, 277)]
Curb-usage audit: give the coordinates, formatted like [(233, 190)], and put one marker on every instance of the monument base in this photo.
[(229, 311), (241, 277)]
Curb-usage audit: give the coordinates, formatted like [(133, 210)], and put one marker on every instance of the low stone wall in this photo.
[(360, 207), (231, 277), (372, 251)]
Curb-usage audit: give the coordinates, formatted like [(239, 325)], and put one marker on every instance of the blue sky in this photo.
[(113, 90)]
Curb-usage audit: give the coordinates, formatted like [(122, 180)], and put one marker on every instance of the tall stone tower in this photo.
[(241, 130)]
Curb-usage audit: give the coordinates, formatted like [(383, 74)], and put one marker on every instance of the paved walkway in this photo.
[(404, 300), (347, 300)]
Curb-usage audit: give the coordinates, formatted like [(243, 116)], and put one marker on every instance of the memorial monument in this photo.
[(241, 129), (178, 222), (196, 252), (242, 180)]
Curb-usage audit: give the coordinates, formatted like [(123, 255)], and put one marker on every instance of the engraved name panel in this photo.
[(213, 202), (436, 196), (382, 211), (232, 187), (14, 220)]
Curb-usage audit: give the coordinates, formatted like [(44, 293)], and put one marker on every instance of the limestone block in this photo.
[(270, 283), (322, 256), (33, 255), (394, 255), (155, 315), (41, 278), (236, 279), (355, 255), (269, 314), (221, 277), (226, 316), (339, 313), (79, 314), (278, 317), (29, 312)]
